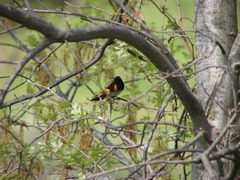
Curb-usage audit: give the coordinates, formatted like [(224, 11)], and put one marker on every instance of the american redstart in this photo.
[(115, 88)]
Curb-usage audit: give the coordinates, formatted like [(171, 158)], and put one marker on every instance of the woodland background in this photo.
[(60, 134)]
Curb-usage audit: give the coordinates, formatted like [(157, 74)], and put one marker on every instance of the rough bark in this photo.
[(216, 29)]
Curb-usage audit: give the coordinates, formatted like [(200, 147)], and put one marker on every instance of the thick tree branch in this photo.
[(107, 31), (234, 56), (212, 173), (31, 21), (151, 35), (234, 63)]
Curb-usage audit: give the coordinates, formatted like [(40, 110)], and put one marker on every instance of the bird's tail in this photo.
[(99, 97)]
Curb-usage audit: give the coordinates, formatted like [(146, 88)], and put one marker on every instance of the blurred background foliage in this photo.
[(69, 147)]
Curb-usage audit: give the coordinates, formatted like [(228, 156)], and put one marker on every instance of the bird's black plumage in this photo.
[(115, 88)]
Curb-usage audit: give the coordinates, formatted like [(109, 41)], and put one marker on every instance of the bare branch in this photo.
[(57, 82), (117, 153), (211, 172), (178, 84), (20, 66)]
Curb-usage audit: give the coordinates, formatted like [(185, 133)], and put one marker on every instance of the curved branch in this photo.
[(178, 84), (30, 20)]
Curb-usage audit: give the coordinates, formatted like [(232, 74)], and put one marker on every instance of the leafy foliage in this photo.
[(62, 131)]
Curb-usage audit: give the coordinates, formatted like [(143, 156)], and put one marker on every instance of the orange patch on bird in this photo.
[(107, 91), (115, 88), (100, 94)]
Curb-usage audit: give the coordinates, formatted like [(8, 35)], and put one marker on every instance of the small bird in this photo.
[(115, 88)]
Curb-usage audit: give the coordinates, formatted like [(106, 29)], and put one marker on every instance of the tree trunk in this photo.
[(216, 30)]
